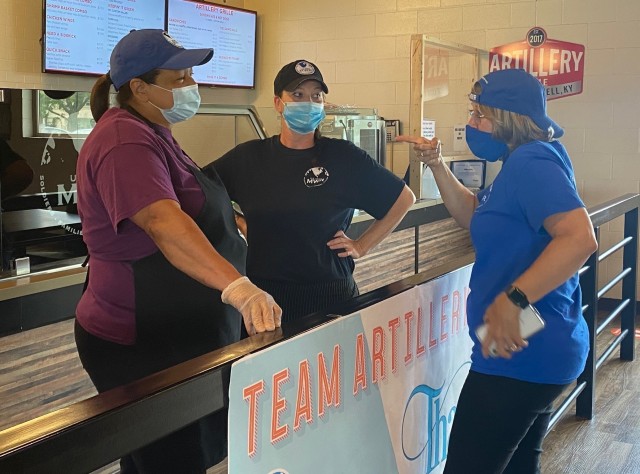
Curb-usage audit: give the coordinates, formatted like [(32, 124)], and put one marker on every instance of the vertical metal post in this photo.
[(585, 403), (416, 249), (415, 111), (2, 243), (629, 284)]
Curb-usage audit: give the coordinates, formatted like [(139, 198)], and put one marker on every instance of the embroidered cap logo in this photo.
[(304, 68), (172, 40)]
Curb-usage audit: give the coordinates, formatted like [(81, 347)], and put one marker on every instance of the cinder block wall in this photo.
[(362, 47)]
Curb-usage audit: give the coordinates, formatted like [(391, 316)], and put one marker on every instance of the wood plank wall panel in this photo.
[(441, 241), (40, 370), (393, 258), (389, 261)]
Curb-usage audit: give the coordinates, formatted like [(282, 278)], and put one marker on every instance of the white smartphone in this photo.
[(530, 323)]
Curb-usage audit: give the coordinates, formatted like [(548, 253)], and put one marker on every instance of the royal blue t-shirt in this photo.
[(536, 182)]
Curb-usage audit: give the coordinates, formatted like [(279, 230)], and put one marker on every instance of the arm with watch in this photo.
[(572, 242), (529, 319)]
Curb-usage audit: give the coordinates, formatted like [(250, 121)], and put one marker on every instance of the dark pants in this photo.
[(110, 365), (499, 426), (298, 299)]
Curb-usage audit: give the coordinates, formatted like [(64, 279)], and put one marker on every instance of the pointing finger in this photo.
[(410, 139)]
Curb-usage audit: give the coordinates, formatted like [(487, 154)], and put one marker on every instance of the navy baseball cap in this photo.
[(517, 91), (295, 73), (141, 51)]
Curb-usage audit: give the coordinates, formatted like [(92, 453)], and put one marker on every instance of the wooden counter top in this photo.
[(361, 216), (24, 285), (16, 287)]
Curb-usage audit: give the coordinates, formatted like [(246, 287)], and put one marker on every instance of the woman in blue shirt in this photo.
[(531, 234)]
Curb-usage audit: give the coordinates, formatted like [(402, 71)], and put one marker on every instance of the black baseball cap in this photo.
[(295, 73)]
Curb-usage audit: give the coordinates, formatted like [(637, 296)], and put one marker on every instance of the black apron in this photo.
[(178, 318), (175, 314)]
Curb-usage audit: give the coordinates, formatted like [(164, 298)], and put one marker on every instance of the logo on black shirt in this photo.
[(315, 177)]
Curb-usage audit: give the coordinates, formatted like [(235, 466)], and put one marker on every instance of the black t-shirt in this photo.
[(296, 200)]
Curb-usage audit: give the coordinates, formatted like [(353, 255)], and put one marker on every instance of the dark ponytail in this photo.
[(100, 93), (99, 101)]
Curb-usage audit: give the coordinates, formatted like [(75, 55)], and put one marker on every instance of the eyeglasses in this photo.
[(476, 115)]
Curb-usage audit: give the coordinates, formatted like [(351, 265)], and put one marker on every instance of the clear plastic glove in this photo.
[(259, 310)]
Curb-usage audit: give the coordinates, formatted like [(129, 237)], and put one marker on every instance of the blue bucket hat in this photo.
[(517, 91), (141, 51)]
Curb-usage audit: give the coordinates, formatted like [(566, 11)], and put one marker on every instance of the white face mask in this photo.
[(186, 101)]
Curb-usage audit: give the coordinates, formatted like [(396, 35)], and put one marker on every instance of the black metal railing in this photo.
[(90, 434), (94, 432), (584, 392)]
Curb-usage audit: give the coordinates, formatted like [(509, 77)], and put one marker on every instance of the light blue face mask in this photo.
[(186, 101), (303, 117)]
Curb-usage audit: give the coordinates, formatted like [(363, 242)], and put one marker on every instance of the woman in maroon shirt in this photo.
[(166, 273)]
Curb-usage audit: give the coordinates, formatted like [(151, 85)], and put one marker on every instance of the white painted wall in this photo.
[(362, 48)]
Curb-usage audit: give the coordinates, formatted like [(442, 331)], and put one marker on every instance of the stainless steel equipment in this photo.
[(361, 126)]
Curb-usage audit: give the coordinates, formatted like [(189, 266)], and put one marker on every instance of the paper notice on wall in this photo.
[(459, 139), (428, 128)]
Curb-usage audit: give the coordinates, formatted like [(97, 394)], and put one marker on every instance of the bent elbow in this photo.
[(409, 197), (589, 245), (592, 246)]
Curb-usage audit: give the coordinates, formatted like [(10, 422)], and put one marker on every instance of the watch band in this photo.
[(517, 296)]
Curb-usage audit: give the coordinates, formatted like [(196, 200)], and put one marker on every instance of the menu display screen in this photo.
[(231, 32), (80, 34)]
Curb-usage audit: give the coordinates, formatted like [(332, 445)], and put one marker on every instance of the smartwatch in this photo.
[(517, 296)]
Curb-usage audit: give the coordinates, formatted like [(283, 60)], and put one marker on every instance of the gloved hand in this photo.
[(259, 310)]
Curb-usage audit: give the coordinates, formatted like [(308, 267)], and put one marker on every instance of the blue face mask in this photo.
[(303, 117), (186, 101), (484, 146)]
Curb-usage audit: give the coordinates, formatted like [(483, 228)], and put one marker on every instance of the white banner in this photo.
[(374, 391)]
